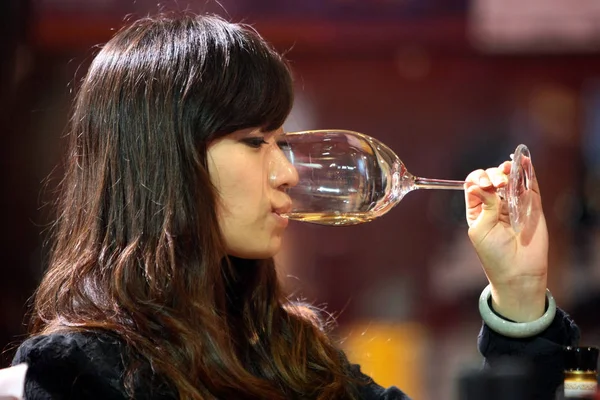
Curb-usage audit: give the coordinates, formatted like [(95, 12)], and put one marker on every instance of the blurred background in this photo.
[(449, 85)]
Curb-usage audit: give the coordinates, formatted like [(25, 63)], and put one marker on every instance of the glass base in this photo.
[(518, 191)]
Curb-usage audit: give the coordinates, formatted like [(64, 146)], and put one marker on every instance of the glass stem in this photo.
[(424, 183)]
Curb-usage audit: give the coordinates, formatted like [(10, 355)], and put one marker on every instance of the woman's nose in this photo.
[(282, 172)]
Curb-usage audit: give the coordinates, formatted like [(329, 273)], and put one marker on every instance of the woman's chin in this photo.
[(256, 253), (259, 251)]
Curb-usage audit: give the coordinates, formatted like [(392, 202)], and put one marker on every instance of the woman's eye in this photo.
[(255, 142), (283, 144)]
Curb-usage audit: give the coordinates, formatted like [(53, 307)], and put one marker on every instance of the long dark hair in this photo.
[(137, 249)]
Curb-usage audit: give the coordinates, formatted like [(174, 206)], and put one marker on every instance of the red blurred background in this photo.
[(450, 85)]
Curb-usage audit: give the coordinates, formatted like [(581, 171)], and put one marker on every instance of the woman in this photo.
[(161, 282)]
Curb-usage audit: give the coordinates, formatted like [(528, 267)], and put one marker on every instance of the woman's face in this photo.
[(250, 173)]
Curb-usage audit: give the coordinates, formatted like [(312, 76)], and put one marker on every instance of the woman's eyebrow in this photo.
[(258, 131), (250, 132)]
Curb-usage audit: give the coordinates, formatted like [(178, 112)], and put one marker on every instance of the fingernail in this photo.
[(501, 181), (484, 181)]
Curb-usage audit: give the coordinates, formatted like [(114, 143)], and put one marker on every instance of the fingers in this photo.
[(491, 177), (497, 176), (480, 190), (484, 206), (505, 167), (484, 192)]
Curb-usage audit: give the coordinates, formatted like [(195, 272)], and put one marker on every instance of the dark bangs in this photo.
[(253, 87)]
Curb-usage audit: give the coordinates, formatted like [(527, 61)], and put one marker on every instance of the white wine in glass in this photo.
[(348, 178)]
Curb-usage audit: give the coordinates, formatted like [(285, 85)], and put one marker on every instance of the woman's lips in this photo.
[(281, 220)]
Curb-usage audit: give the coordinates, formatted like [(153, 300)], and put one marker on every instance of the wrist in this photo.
[(522, 301)]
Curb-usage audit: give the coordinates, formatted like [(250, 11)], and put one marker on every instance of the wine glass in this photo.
[(348, 178)]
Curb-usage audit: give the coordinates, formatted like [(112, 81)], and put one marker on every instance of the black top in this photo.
[(90, 365)]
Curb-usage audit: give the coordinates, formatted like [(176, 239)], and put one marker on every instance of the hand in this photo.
[(515, 264)]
